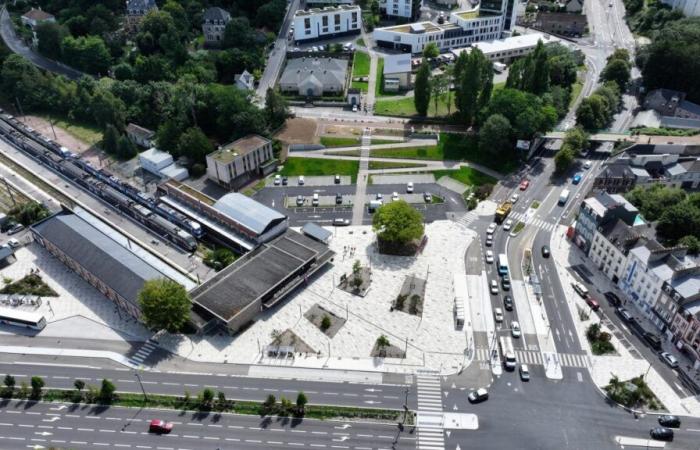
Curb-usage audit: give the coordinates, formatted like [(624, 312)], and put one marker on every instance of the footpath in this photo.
[(624, 365)]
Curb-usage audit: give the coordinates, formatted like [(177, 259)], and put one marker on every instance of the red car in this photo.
[(593, 303), (524, 184), (160, 426)]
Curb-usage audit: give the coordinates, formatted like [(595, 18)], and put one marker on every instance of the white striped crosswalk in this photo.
[(531, 220), (430, 416), (144, 352), (534, 358), (465, 218)]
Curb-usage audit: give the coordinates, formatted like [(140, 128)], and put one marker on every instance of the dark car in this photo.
[(613, 298), (338, 199), (653, 340), (7, 225), (505, 283), (336, 180), (285, 180), (508, 303), (478, 396), (670, 421), (545, 251), (661, 434)]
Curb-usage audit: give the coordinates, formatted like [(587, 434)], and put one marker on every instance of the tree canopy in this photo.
[(421, 97), (398, 223), (165, 305)]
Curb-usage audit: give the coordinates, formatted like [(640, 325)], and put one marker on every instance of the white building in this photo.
[(161, 164), (397, 72), (327, 22), (244, 81), (35, 17), (508, 49), (690, 8), (237, 162), (463, 28), (397, 8)]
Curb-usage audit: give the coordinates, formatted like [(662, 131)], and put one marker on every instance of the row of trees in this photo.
[(597, 110), (103, 395)]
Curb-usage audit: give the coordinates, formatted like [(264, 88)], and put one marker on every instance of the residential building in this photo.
[(35, 17), (682, 295), (244, 81), (161, 164), (615, 177), (315, 77), (464, 28), (674, 111), (574, 6), (314, 24), (648, 267), (324, 3), (404, 9), (397, 72), (108, 260), (690, 8), (612, 243), (598, 210), (236, 163), (508, 49), (563, 24), (140, 136), (213, 26), (135, 12)]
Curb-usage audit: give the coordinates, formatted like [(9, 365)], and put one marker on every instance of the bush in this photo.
[(325, 322)]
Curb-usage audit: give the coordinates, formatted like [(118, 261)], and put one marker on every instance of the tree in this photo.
[(9, 382), (618, 71), (221, 402), (29, 212), (164, 304), (87, 53), (564, 159), (356, 267), (577, 139), (398, 223), (276, 108), (301, 402), (110, 140), (431, 50), (382, 343), (107, 391), (421, 97), (692, 243), (239, 34), (37, 384), (194, 144), (678, 221), (325, 322), (125, 148), (219, 258), (79, 385), (168, 136), (206, 398), (438, 86), (50, 36), (495, 136)]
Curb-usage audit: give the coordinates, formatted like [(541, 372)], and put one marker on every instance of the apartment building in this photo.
[(235, 163), (214, 24), (406, 9), (599, 210), (612, 243), (323, 23)]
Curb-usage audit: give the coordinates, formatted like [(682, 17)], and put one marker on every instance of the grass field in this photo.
[(575, 91), (377, 165), (466, 175), (360, 68), (337, 141), (404, 107), (360, 41), (86, 133), (319, 166)]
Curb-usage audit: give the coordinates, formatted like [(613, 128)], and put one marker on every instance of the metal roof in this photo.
[(316, 232), (251, 214), (397, 63)]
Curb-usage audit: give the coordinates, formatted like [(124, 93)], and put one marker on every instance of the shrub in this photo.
[(325, 322)]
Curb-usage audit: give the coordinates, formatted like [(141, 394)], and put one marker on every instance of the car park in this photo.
[(593, 303), (669, 359), (515, 329), (505, 282), (300, 200), (669, 421), (300, 180), (15, 229), (14, 243), (409, 187), (624, 314), (498, 315), (576, 179), (613, 299), (514, 198), (661, 434), (524, 372), (508, 303), (545, 251), (653, 340), (314, 199), (524, 184), (494, 287), (336, 179), (338, 199), (478, 395), (340, 222), (428, 197), (508, 223), (278, 180), (160, 426), (489, 257), (489, 241), (394, 196)]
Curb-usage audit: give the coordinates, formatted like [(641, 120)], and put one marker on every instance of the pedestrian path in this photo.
[(144, 352), (430, 414), (535, 358), (358, 208), (464, 218), (534, 221)]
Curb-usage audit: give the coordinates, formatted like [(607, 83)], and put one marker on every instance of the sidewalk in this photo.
[(624, 365)]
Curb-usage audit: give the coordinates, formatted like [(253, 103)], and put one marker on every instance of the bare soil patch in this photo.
[(317, 314), (347, 283), (298, 131)]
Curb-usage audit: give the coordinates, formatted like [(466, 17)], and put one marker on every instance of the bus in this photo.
[(507, 352), (502, 264), (27, 319)]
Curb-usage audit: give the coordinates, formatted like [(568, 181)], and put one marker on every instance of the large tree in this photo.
[(496, 135), (421, 96), (398, 223), (276, 108), (165, 305), (194, 144), (618, 71), (50, 36)]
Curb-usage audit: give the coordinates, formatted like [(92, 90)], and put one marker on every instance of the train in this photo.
[(140, 206)]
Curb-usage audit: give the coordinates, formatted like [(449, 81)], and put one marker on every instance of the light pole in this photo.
[(138, 377)]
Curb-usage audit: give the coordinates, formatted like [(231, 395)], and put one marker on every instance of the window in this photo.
[(324, 21), (307, 23), (337, 19)]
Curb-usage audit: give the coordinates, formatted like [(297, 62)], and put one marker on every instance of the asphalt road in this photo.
[(29, 424)]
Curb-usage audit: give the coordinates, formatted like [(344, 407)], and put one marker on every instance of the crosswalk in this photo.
[(430, 415), (144, 352), (465, 219), (531, 221), (534, 358)]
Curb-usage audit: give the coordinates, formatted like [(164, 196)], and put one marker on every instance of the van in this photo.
[(564, 197), (374, 205), (580, 289), (653, 340), (314, 200)]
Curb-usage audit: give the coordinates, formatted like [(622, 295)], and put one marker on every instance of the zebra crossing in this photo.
[(430, 415), (465, 219), (144, 352), (531, 220), (535, 358)]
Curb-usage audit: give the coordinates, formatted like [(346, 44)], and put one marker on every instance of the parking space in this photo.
[(314, 181), (424, 178)]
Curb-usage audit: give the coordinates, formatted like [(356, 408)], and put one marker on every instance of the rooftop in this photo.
[(242, 146), (320, 71), (317, 232), (253, 215), (38, 15), (139, 131), (156, 156), (400, 63), (326, 10), (216, 13)]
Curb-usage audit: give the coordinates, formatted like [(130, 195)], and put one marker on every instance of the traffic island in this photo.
[(634, 394), (285, 344)]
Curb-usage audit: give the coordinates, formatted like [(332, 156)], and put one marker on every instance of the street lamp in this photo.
[(138, 377)]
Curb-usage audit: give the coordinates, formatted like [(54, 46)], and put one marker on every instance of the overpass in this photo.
[(598, 137), (633, 138)]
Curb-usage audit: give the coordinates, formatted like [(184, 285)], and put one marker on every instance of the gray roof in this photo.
[(688, 286), (678, 122), (5, 251), (140, 5), (139, 131), (316, 232), (251, 214), (675, 169), (114, 265), (688, 109), (664, 101), (323, 71), (217, 13), (400, 63)]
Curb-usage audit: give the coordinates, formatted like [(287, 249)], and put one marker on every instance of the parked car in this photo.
[(7, 225), (661, 434), (15, 229), (492, 228), (626, 316), (300, 180), (505, 282), (160, 426), (669, 421), (524, 372), (409, 187), (576, 179), (587, 164), (428, 197), (354, 108), (515, 329), (394, 196), (489, 257), (14, 243), (545, 251), (524, 184), (379, 196), (508, 223), (669, 359), (613, 299), (489, 241), (340, 222), (478, 396), (580, 289), (498, 315), (278, 180), (653, 340), (593, 303), (494, 287), (300, 200), (336, 179), (508, 302), (338, 199), (514, 198), (314, 199), (285, 180)]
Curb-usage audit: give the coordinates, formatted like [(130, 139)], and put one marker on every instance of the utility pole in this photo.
[(138, 377), (9, 192)]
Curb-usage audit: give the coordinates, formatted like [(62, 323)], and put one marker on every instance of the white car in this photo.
[(300, 180), (278, 180), (14, 243), (409, 187), (498, 315), (379, 196), (354, 108), (394, 196), (515, 329), (494, 287), (587, 164), (492, 228), (508, 224), (489, 257), (669, 359), (514, 198)]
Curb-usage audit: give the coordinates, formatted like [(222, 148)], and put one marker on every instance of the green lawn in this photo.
[(361, 41), (318, 166), (466, 175), (360, 68), (87, 133), (575, 91), (377, 165), (404, 107), (337, 141)]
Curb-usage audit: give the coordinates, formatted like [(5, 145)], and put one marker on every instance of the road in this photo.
[(14, 43), (29, 424)]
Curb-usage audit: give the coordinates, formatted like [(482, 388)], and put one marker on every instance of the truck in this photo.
[(499, 67), (564, 197), (503, 210)]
